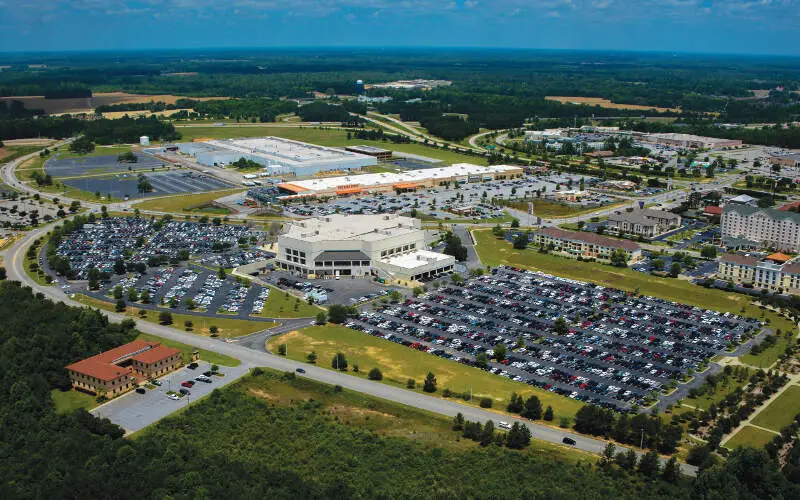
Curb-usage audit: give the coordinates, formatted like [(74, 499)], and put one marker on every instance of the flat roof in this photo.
[(415, 259), (338, 227), (367, 149), (407, 176)]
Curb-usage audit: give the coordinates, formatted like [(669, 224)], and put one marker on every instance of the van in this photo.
[(504, 425), (569, 441)]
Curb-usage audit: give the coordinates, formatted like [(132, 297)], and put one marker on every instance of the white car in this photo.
[(173, 397), (504, 425)]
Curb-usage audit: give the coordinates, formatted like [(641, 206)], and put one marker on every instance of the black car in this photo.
[(207, 373), (192, 366), (185, 392), (300, 370), (568, 441), (140, 390)]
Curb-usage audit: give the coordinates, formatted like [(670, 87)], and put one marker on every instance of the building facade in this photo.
[(772, 273), (118, 370), (585, 245), (771, 227), (643, 222), (386, 245)]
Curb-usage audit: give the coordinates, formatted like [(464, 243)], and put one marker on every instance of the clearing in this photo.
[(555, 210), (780, 412), (750, 436), (69, 401), (399, 364), (185, 202), (605, 103), (88, 104)]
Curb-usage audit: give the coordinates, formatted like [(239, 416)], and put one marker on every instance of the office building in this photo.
[(388, 246), (770, 227), (407, 180), (279, 156), (777, 272), (643, 222), (118, 370), (585, 245)]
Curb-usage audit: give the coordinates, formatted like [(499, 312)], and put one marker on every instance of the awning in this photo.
[(406, 185), (292, 187), (352, 190)]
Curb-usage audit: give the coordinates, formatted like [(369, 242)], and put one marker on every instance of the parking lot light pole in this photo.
[(641, 443)]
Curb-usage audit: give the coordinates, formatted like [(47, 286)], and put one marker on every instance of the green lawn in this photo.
[(69, 401), (554, 210), (324, 137), (185, 203), (399, 363), (11, 153), (228, 327), (721, 391), (494, 252), (281, 304), (780, 412), (99, 150), (750, 436), (771, 355), (209, 356)]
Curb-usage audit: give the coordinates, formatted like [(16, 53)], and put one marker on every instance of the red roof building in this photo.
[(790, 207), (712, 211), (115, 371)]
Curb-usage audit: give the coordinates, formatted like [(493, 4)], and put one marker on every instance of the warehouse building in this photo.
[(379, 153), (691, 141), (408, 180), (387, 246), (279, 156), (115, 372)]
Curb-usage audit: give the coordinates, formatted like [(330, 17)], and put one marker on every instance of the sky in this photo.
[(705, 26)]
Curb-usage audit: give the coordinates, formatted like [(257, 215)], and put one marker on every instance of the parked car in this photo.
[(203, 378), (192, 366), (140, 390), (188, 383), (173, 397), (300, 370), (155, 382), (185, 392)]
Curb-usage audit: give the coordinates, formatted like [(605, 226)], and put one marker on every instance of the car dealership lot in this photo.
[(616, 349), (134, 411)]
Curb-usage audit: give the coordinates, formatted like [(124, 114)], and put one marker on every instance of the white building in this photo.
[(144, 140), (279, 156), (389, 246), (770, 227), (691, 141)]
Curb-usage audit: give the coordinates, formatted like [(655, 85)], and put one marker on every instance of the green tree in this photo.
[(709, 252), (514, 223), (560, 326), (312, 357), (548, 414), (518, 437), (458, 422), (675, 269), (481, 360), (339, 362), (221, 273), (411, 383), (188, 324), (500, 352), (619, 258), (322, 318), (120, 305), (533, 408), (671, 472), (430, 383), (165, 318), (658, 265), (649, 465), (282, 348), (145, 297), (487, 435), (375, 374), (133, 295)]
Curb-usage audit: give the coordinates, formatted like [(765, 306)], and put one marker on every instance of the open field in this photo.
[(185, 202), (99, 150), (69, 401), (750, 436), (88, 104), (385, 418), (780, 412), (605, 103), (209, 356), (399, 363), (332, 137), (494, 252), (281, 304), (9, 153), (228, 327), (554, 210), (113, 115)]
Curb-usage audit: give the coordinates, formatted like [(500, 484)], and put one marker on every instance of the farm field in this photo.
[(750, 436), (604, 103), (494, 252), (184, 202), (228, 327), (88, 104), (331, 137), (399, 363), (780, 412)]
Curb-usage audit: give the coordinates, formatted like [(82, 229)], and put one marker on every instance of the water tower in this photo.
[(360, 87)]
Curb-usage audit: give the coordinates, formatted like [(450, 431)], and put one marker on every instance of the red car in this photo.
[(188, 383)]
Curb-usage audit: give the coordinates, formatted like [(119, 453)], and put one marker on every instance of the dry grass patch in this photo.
[(605, 103)]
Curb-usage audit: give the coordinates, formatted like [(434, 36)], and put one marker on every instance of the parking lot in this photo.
[(73, 167), (436, 202), (616, 349), (125, 185), (142, 241), (347, 291), (134, 411)]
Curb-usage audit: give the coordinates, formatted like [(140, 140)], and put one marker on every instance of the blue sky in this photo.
[(711, 26)]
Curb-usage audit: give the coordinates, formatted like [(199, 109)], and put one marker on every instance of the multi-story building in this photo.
[(585, 245), (776, 272), (770, 227), (644, 222), (116, 371), (390, 246)]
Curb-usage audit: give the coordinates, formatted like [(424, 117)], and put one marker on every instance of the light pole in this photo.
[(641, 443)]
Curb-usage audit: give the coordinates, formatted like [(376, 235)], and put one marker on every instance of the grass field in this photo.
[(604, 103), (553, 210), (399, 363), (704, 401), (69, 401), (750, 436), (323, 137), (780, 412), (228, 327), (281, 304), (209, 356), (10, 153), (184, 202), (494, 252), (383, 417), (116, 150)]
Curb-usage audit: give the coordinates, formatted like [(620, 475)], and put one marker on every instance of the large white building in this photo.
[(769, 227), (388, 246), (691, 141), (279, 156)]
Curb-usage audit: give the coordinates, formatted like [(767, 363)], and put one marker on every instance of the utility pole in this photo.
[(641, 443)]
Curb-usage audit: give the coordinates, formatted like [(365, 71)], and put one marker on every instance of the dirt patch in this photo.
[(28, 142), (605, 103), (352, 411), (88, 104), (263, 395)]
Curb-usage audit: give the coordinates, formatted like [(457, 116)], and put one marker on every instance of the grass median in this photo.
[(780, 412), (495, 252), (185, 202), (282, 304), (398, 364), (186, 350), (750, 436)]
